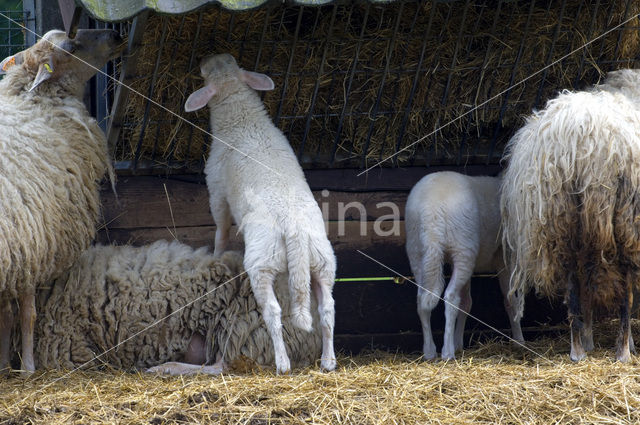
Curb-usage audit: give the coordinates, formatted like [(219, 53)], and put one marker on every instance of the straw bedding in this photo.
[(472, 51), (492, 383)]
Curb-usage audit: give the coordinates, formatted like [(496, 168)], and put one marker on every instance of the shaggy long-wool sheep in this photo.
[(254, 177), (52, 158), (454, 218), (570, 204), (112, 293)]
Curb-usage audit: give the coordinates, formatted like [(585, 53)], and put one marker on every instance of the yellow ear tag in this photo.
[(47, 67), (8, 64)]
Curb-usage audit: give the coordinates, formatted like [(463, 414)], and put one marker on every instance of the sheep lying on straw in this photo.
[(53, 157), (570, 204), (454, 218), (253, 176), (112, 295)]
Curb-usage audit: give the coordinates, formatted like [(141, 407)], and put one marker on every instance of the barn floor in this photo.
[(490, 383)]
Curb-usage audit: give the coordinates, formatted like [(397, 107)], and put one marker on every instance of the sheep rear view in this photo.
[(254, 177), (53, 156), (453, 218), (570, 205)]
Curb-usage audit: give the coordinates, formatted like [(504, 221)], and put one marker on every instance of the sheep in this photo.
[(454, 218), (254, 177), (53, 158), (114, 292), (570, 205)]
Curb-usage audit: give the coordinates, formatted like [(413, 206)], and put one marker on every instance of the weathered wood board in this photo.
[(369, 314)]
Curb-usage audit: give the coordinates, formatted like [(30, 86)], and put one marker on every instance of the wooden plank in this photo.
[(159, 202), (347, 179), (346, 240)]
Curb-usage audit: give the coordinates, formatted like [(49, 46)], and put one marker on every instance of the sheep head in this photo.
[(219, 72), (68, 62)]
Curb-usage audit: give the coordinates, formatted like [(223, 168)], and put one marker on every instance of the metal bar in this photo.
[(127, 70), (70, 16), (584, 51), (621, 29), (331, 90), (172, 59), (349, 83), (301, 75), (289, 65), (549, 58), (188, 71), (265, 25), (29, 13), (152, 86), (396, 87), (469, 119), (432, 69), (317, 85), (498, 126), (603, 44), (487, 108), (382, 82)]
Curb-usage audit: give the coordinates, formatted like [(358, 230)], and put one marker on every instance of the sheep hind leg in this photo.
[(27, 324), (452, 296), (6, 323), (586, 333), (262, 286), (465, 308), (511, 303), (322, 287), (430, 286), (573, 307), (623, 353)]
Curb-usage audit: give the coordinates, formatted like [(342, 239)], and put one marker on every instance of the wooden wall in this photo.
[(369, 314)]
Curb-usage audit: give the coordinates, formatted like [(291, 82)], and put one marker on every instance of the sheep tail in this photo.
[(298, 260)]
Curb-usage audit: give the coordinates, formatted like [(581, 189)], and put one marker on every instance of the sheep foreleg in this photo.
[(623, 353), (573, 305), (322, 287), (27, 322), (6, 323)]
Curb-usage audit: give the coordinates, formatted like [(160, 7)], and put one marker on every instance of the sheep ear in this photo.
[(9, 62), (45, 71), (200, 98), (257, 81)]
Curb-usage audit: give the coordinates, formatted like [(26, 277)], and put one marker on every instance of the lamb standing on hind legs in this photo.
[(254, 177), (52, 158), (454, 218), (570, 205)]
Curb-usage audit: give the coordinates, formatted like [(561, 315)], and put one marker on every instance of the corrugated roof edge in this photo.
[(122, 10)]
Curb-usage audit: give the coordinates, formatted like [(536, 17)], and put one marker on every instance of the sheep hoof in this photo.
[(328, 365), (447, 355), (283, 366), (429, 352), (623, 357), (577, 355)]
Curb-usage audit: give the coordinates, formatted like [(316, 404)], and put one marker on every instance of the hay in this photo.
[(471, 54), (492, 383)]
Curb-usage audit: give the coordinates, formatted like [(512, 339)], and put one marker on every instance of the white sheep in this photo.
[(570, 205), (454, 218), (254, 177), (53, 158), (183, 304)]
